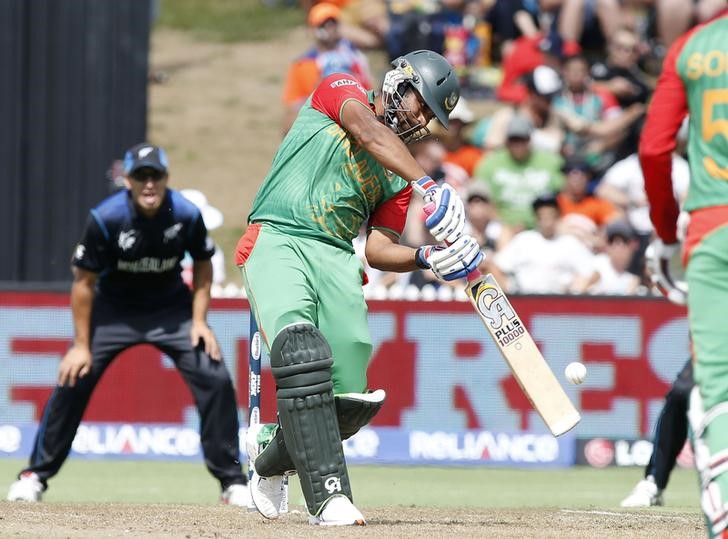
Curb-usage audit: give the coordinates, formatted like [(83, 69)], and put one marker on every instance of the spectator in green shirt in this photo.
[(517, 174)]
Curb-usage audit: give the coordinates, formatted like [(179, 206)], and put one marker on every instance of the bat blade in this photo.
[(522, 355)]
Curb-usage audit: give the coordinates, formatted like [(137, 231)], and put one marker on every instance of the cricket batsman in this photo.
[(344, 162), (694, 80)]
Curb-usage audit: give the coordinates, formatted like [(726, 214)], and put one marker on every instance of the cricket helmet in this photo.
[(433, 78)]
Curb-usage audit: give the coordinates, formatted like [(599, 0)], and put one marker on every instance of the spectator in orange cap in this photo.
[(330, 54)]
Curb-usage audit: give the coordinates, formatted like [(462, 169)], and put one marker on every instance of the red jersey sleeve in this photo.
[(392, 214), (334, 91), (667, 110)]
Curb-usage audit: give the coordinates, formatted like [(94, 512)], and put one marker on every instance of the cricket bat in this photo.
[(525, 360)]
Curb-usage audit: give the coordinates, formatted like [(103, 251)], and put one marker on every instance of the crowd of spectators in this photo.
[(548, 167)]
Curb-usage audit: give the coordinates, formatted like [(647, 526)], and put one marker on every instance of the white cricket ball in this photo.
[(575, 372)]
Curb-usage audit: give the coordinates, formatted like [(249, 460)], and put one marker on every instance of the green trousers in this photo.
[(707, 277), (292, 280)]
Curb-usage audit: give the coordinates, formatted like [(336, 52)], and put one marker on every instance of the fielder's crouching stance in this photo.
[(344, 162)]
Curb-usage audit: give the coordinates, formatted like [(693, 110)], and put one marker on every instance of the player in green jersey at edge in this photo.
[(344, 162), (694, 80)]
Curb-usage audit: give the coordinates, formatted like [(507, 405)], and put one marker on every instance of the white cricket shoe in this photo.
[(26, 489), (338, 511), (644, 494), (267, 493), (237, 495)]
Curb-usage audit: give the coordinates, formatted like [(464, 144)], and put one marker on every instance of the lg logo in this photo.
[(332, 484)]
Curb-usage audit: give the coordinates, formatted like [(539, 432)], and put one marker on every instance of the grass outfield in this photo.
[(374, 486)]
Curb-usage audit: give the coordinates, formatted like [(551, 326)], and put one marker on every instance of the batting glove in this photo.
[(659, 257), (451, 262), (392, 80)]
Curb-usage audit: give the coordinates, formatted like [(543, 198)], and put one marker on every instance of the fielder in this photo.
[(344, 162), (671, 432), (694, 79), (128, 290)]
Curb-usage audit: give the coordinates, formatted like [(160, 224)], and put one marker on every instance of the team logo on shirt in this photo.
[(79, 252), (171, 232), (127, 239)]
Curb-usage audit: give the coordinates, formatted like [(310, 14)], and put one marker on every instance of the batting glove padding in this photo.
[(446, 222), (660, 257), (454, 261), (392, 80)]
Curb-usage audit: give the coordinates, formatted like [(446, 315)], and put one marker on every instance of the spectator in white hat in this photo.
[(213, 219), (542, 85)]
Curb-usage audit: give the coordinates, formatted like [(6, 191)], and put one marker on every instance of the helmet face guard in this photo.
[(399, 118)]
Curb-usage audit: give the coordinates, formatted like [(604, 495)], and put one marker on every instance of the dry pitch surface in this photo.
[(55, 520)]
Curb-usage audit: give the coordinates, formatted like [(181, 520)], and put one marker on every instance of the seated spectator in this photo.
[(542, 85), (363, 22), (482, 223), (527, 53), (459, 150), (575, 198), (587, 22), (620, 76), (542, 261), (594, 120), (674, 17), (509, 20), (612, 265), (517, 174), (624, 186), (619, 73), (330, 54), (213, 219)]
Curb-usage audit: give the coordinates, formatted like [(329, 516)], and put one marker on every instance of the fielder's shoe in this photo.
[(338, 511), (644, 494), (267, 492), (26, 489), (237, 495)]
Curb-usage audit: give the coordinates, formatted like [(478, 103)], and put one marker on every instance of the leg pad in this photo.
[(301, 363)]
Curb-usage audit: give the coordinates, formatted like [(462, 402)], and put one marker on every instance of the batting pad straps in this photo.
[(711, 460), (355, 410), (301, 363), (275, 459)]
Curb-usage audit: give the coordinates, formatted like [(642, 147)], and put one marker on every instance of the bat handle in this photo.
[(428, 208)]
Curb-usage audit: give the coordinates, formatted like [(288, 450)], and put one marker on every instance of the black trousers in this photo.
[(114, 329), (671, 430)]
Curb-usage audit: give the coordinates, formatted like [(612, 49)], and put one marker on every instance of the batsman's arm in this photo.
[(379, 140), (383, 252)]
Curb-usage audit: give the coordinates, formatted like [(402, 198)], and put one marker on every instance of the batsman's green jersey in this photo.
[(296, 257), (322, 185)]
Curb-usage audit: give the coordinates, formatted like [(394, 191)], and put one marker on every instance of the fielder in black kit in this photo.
[(128, 290), (671, 432)]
